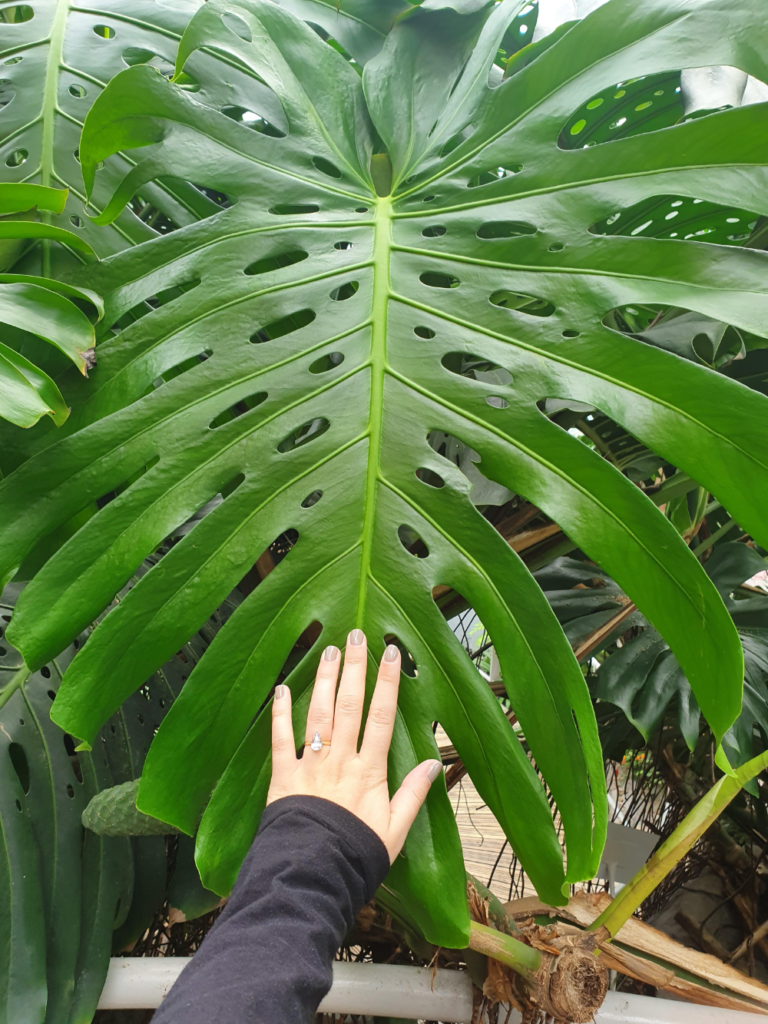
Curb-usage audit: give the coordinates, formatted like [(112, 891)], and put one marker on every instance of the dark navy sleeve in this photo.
[(267, 960)]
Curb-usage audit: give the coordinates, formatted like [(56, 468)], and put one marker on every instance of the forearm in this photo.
[(268, 959)]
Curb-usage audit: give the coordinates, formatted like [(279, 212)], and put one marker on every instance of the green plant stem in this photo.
[(672, 851), (701, 548), (17, 680), (523, 959)]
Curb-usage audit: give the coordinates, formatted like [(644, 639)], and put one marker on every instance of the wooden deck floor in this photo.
[(485, 853)]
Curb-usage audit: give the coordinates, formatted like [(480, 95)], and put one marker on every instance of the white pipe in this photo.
[(381, 990), (385, 990), (623, 1008), (631, 1009)]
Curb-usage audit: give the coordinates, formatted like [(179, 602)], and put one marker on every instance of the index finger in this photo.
[(383, 709)]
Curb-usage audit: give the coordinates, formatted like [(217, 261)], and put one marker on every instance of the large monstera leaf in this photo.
[(323, 328)]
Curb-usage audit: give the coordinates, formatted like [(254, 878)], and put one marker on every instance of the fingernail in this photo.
[(279, 691), (356, 637), (391, 653), (434, 770), (330, 653)]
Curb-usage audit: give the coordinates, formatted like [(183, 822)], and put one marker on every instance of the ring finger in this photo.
[(320, 715)]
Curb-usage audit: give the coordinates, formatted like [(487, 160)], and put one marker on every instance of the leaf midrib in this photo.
[(382, 249)]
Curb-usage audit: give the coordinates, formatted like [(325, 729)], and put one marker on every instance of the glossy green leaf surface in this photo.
[(53, 66), (644, 677), (70, 895), (310, 351)]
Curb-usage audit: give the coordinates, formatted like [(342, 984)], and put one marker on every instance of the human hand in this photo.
[(355, 780)]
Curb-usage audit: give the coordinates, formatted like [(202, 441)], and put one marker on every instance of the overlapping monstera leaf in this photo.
[(398, 227), (68, 894), (34, 308), (56, 58), (643, 678)]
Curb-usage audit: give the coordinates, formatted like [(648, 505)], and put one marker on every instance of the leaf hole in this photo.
[(20, 764), (78, 91), (237, 25), (250, 119), (494, 174), (433, 232), (18, 805), (76, 221), (135, 55), (571, 334), (433, 279), (556, 247), (429, 199), (475, 367), (13, 60), (424, 332), (456, 140), (287, 209), (17, 158), (51, 694), (7, 92), (285, 325), (345, 291), (342, 245), (428, 476), (307, 432), (305, 642), (70, 791), (505, 229), (528, 304), (496, 402), (74, 759), (412, 542), (152, 302), (407, 661), (269, 263), (312, 499), (326, 167), (692, 220), (45, 672), (104, 31), (327, 362), (238, 409), (16, 15), (361, 209)]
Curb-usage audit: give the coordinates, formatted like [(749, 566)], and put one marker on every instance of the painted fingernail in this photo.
[(434, 770), (356, 637), (279, 691), (391, 653), (330, 653)]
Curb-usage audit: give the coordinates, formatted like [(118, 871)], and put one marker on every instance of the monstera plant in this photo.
[(395, 210)]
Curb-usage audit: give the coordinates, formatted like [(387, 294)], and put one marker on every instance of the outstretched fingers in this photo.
[(350, 699), (382, 711), (283, 744), (320, 714), (405, 804)]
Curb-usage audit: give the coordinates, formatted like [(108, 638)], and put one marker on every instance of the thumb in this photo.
[(405, 804)]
